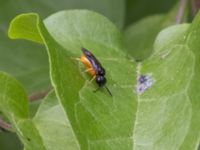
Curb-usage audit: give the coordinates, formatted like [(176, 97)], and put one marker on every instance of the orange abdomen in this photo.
[(88, 65)]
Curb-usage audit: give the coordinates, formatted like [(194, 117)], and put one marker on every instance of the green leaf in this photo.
[(6, 138), (192, 139), (18, 57), (140, 36), (52, 124), (168, 117), (111, 9), (34, 132), (170, 36), (14, 105), (110, 119), (33, 107), (11, 95), (137, 9)]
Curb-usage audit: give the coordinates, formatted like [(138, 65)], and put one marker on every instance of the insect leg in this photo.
[(87, 70), (108, 90), (105, 88), (92, 79)]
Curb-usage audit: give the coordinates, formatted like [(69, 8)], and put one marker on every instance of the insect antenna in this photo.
[(105, 88), (108, 90)]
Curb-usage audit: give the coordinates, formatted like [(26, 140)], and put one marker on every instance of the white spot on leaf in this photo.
[(144, 82)]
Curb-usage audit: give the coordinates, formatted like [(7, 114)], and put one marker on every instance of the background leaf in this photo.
[(5, 141), (14, 105), (140, 36), (137, 9), (8, 106), (49, 123)]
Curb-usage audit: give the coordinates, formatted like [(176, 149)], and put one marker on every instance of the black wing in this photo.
[(93, 60)]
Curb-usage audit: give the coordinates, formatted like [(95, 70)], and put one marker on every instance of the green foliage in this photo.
[(34, 132), (21, 55), (142, 36), (52, 124), (137, 9), (5, 141), (139, 37), (68, 81), (28, 62), (166, 115)]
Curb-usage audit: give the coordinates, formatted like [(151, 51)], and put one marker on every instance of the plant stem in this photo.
[(195, 6), (181, 10), (39, 95), (5, 126)]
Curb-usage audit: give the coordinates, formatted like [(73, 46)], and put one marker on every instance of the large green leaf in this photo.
[(167, 112), (172, 112), (110, 119), (192, 139)]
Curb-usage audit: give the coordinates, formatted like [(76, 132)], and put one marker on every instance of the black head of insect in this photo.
[(100, 80)]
